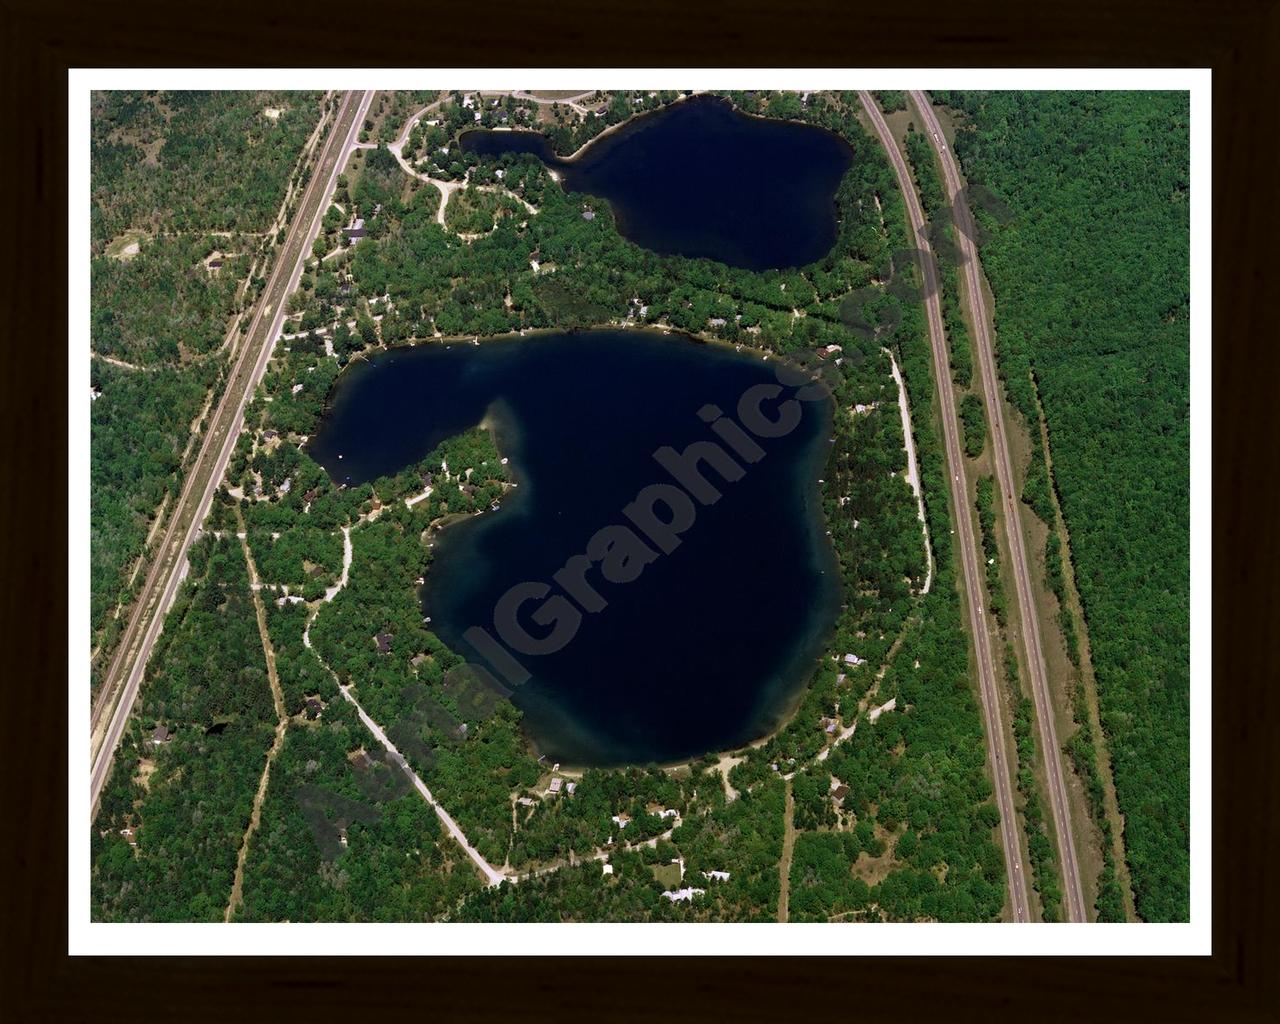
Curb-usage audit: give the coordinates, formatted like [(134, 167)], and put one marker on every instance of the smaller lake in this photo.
[(713, 641), (701, 179)]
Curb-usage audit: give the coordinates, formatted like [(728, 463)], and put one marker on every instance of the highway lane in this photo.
[(1033, 647), (105, 700), (170, 566), (973, 577)]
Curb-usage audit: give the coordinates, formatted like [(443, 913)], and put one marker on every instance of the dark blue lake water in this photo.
[(699, 178), (710, 645)]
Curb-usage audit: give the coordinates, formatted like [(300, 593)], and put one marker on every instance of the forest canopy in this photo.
[(184, 189), (1092, 287)]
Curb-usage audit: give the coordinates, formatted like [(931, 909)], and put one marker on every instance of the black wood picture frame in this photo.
[(1238, 39)]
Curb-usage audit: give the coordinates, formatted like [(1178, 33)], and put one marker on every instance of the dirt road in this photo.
[(1054, 770), (492, 875), (973, 578), (913, 468), (784, 865), (124, 676), (282, 723)]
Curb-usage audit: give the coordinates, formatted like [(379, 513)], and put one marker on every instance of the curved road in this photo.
[(124, 677), (974, 580), (1013, 523)]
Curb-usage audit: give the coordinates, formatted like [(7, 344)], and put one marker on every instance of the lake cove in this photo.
[(701, 179), (690, 624)]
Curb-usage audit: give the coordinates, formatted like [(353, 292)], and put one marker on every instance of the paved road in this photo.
[(974, 579), (124, 677), (1074, 896)]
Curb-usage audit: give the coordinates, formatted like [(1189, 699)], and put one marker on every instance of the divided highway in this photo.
[(1074, 896), (124, 676), (971, 564)]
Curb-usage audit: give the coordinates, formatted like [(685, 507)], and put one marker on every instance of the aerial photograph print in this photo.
[(632, 505)]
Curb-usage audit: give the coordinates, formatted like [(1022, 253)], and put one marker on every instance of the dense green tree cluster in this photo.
[(173, 168), (813, 807), (303, 558), (380, 181), (584, 822), (139, 427), (924, 168), (588, 274), (580, 893), (933, 199), (378, 599), (933, 768), (515, 173), (207, 684), (164, 305), (714, 835), (890, 100), (474, 212), (160, 312), (391, 109), (1055, 577), (1036, 491), (194, 161), (823, 886), (973, 421), (742, 836), (919, 796), (474, 774), (467, 475), (1083, 751), (871, 518), (299, 670), (396, 864), (986, 502), (959, 347), (1092, 290), (922, 766), (1040, 850), (276, 477)]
